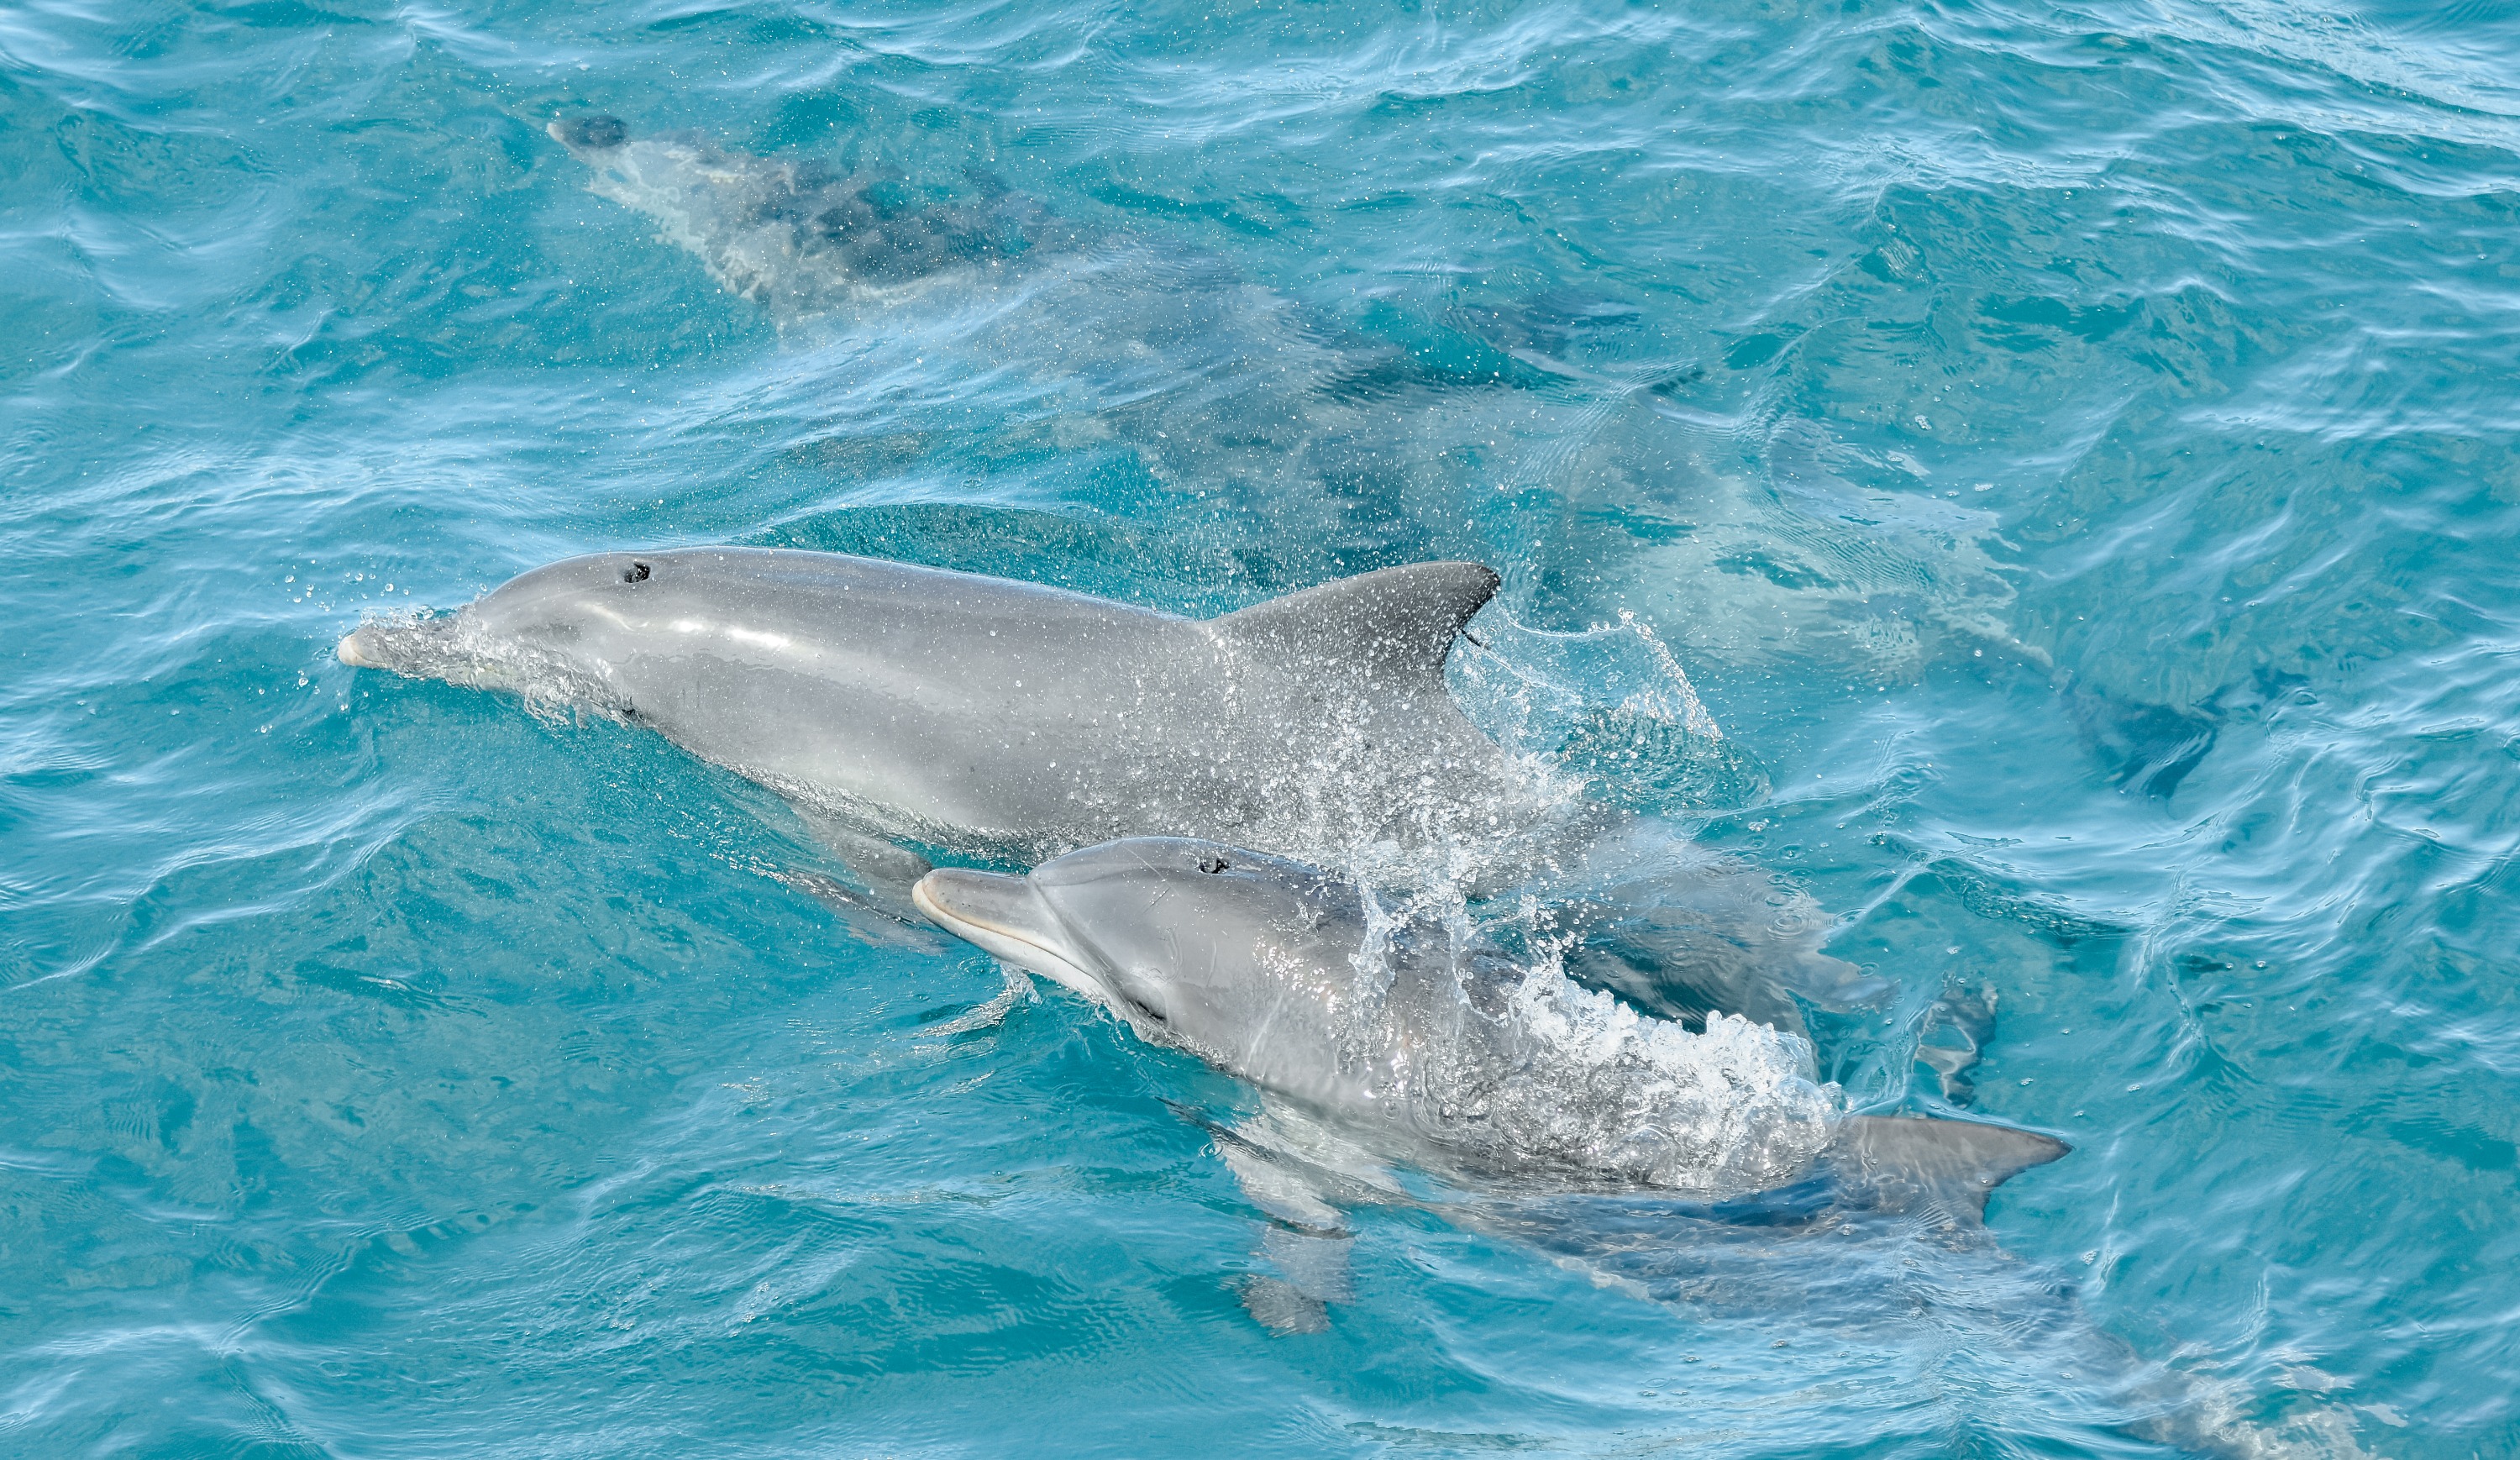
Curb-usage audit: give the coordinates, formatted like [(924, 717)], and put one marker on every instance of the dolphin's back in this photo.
[(971, 706), (846, 606)]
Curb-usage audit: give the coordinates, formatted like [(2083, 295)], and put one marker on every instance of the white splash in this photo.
[(1572, 1077)]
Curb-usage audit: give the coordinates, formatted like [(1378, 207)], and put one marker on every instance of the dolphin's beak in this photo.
[(1009, 918), (421, 648)]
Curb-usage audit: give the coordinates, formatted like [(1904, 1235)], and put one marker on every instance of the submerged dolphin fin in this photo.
[(1395, 625), (1906, 1164), (1299, 1173), (1306, 1240)]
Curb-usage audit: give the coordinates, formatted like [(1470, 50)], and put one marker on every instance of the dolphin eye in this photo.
[(1213, 864), (636, 572)]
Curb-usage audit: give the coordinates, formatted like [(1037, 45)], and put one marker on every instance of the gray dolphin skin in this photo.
[(1285, 975), (1008, 719)]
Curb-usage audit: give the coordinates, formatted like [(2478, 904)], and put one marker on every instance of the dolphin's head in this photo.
[(589, 138), (565, 622), (1221, 950), (557, 606)]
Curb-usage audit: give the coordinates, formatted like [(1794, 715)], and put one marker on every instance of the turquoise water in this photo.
[(2069, 452)]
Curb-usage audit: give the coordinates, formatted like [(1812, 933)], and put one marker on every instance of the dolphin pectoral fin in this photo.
[(1277, 1188), (1397, 625), (1913, 1165)]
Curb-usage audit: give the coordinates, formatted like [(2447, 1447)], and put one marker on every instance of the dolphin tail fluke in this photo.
[(1396, 626), (1904, 1164)]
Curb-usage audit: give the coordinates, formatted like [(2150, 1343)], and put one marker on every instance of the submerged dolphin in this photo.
[(794, 236), (1008, 719), (1402, 1031)]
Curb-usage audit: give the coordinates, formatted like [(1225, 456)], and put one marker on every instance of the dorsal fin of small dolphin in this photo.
[(1397, 625), (1907, 1164)]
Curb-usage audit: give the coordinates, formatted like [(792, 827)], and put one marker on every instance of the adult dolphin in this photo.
[(1404, 1040), (996, 718)]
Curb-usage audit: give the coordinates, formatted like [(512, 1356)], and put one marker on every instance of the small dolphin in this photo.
[(1379, 1039), (1291, 978), (1004, 718)]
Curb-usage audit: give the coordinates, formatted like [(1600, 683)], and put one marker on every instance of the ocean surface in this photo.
[(2037, 481)]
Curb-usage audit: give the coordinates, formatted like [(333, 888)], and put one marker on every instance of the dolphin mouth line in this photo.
[(997, 938)]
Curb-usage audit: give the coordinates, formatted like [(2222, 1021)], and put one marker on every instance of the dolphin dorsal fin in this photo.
[(1397, 625), (1903, 1163)]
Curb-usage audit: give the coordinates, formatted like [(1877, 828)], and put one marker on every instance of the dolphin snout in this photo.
[(965, 902), (421, 648), (1009, 918)]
